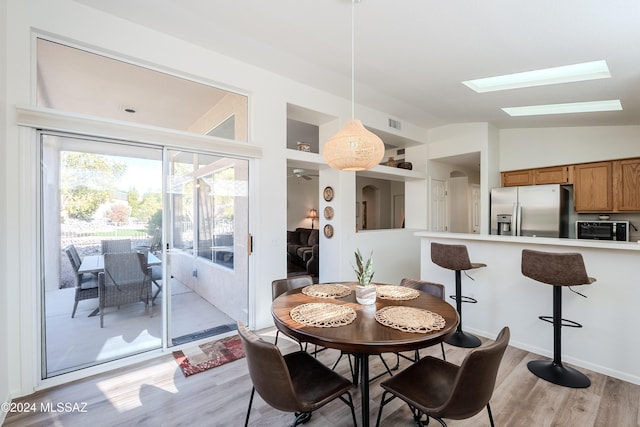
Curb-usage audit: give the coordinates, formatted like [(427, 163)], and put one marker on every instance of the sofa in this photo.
[(303, 246)]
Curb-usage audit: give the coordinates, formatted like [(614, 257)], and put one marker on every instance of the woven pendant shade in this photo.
[(353, 148)]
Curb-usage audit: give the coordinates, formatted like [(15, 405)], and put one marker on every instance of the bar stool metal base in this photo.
[(463, 339), (559, 374)]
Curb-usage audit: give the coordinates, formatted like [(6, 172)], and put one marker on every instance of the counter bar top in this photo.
[(607, 342), (548, 241)]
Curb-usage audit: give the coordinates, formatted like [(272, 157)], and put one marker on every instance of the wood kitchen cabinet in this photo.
[(593, 187), (553, 175), (515, 178), (602, 187), (626, 185), (550, 175)]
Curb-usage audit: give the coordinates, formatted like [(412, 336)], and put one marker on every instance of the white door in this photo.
[(438, 210), (474, 212)]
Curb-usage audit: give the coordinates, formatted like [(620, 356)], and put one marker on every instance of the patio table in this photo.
[(95, 264)]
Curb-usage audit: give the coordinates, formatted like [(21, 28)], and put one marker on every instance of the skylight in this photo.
[(547, 76), (572, 107)]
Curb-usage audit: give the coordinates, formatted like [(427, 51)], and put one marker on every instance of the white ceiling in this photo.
[(412, 55)]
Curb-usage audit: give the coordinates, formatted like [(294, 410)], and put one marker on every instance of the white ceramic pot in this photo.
[(366, 294)]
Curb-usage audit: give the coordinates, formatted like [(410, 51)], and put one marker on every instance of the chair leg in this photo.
[(75, 306), (382, 403), (301, 418), (349, 403), (276, 340), (354, 374), (157, 291), (490, 416), (246, 421), (388, 369), (443, 355)]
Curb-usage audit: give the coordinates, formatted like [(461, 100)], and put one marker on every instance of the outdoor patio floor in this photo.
[(74, 343)]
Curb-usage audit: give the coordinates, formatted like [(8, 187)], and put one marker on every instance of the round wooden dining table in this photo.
[(365, 335)]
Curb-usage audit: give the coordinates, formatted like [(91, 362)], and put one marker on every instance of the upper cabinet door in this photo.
[(553, 175), (515, 178), (626, 184), (592, 190)]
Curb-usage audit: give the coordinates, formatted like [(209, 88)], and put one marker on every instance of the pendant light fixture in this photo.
[(353, 148)]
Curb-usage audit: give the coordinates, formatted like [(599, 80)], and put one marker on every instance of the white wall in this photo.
[(5, 367), (531, 148), (416, 192), (462, 138)]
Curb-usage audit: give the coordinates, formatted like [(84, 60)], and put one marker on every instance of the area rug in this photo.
[(200, 358)]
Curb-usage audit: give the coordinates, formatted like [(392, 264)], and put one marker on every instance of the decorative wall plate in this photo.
[(328, 212), (328, 231), (328, 194)]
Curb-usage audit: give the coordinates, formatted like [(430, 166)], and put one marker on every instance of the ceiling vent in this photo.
[(395, 124)]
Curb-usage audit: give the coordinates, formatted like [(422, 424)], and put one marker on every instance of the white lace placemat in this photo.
[(398, 293), (327, 290), (323, 315), (410, 319)]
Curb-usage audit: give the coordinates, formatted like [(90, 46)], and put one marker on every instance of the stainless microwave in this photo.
[(603, 230)]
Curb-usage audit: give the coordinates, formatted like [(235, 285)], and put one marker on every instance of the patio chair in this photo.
[(125, 280), (116, 246), (155, 244), (86, 284), (156, 271)]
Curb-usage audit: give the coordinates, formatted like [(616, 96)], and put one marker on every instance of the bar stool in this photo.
[(557, 269), (456, 257)]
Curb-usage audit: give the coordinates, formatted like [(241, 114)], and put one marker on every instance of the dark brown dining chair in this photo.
[(86, 284), (435, 289), (295, 382), (558, 270), (280, 286), (439, 389)]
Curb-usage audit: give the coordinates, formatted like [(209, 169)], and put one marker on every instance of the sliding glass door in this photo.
[(143, 248), (207, 200)]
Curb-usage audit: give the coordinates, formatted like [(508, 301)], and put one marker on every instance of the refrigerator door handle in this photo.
[(519, 221), (514, 219)]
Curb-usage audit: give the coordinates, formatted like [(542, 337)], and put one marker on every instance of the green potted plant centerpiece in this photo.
[(365, 291)]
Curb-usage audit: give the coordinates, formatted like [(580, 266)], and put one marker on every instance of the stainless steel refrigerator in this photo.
[(533, 210)]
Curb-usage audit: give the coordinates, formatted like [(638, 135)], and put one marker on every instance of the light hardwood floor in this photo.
[(155, 393)]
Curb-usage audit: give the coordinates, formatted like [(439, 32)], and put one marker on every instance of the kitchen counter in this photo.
[(605, 344), (547, 241)]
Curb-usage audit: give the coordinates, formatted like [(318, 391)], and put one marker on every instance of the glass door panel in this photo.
[(99, 196), (207, 205)]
